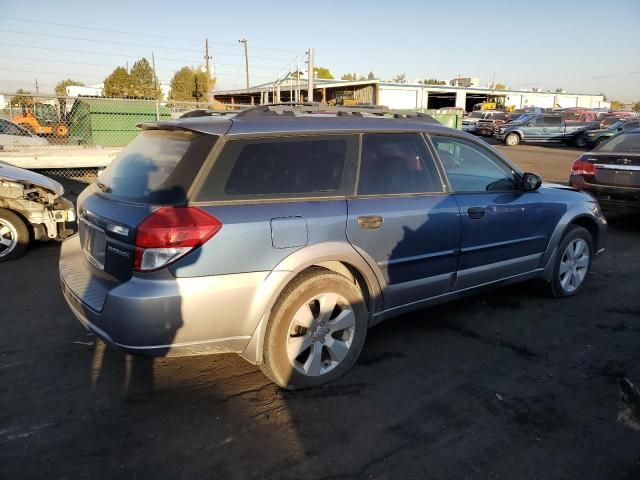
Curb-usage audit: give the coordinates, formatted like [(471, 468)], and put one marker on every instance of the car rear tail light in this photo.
[(169, 233), (583, 167)]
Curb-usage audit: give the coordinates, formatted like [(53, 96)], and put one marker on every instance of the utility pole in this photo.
[(37, 87), (153, 66), (246, 60), (207, 65), (310, 75)]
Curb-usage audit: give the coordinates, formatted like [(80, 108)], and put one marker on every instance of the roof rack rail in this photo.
[(205, 112), (291, 108)]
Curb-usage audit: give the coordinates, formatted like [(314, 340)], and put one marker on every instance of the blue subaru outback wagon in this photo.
[(283, 232)]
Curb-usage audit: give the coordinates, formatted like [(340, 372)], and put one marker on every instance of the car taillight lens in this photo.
[(169, 233), (583, 167)]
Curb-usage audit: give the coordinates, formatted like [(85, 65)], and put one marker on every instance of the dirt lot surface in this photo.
[(510, 384)]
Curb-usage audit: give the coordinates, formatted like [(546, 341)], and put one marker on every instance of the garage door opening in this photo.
[(474, 99), (441, 100)]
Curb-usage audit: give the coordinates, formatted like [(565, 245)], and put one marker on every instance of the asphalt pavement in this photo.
[(507, 384)]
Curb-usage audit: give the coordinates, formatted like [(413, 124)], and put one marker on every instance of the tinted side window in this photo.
[(471, 168), (552, 121), (282, 167), (396, 163)]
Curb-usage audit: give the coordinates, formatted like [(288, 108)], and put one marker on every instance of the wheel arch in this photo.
[(341, 258), (580, 216)]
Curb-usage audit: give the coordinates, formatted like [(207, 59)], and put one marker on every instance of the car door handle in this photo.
[(370, 222), (476, 212)]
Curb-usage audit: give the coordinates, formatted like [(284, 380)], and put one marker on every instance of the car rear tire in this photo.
[(316, 330), (580, 141), (512, 139), (572, 263), (14, 235)]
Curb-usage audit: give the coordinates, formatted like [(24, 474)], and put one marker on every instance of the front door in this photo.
[(402, 219), (503, 232)]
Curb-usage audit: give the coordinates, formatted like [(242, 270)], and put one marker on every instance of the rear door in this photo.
[(503, 228), (403, 218), (553, 129)]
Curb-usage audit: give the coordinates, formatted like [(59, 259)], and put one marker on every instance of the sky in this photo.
[(587, 46)]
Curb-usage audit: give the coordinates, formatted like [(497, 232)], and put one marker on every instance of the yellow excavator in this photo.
[(494, 102)]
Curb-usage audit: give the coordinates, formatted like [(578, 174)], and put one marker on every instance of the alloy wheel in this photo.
[(320, 334), (574, 265), (8, 238)]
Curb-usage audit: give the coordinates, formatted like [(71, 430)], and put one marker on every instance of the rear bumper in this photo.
[(164, 316), (621, 199)]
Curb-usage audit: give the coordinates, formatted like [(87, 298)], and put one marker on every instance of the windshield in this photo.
[(158, 166), (616, 125), (623, 143), (477, 115)]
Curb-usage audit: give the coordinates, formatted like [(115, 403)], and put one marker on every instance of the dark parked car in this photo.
[(611, 172), (593, 138), (284, 232)]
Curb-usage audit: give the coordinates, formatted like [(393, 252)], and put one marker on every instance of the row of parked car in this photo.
[(581, 128)]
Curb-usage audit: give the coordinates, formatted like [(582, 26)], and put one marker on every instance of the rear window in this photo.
[(282, 167), (157, 167), (621, 143)]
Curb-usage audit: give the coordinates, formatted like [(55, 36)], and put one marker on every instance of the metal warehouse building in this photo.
[(404, 95)]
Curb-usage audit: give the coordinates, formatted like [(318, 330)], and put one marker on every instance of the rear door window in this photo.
[(282, 168), (397, 164), (552, 121), (157, 167)]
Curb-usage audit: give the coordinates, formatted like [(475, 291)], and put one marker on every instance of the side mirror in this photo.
[(531, 182), (529, 124)]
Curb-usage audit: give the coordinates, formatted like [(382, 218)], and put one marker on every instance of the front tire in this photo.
[(316, 331), (572, 263), (512, 139), (14, 235)]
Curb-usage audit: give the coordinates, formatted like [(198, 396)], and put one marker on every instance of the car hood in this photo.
[(20, 175)]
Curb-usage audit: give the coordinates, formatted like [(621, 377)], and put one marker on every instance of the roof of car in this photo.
[(312, 123)]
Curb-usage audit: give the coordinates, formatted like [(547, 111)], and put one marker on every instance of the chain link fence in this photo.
[(44, 121)]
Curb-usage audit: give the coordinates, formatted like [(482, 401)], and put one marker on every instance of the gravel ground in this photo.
[(509, 384)]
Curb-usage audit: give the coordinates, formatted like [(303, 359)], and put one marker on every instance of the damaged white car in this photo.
[(31, 208)]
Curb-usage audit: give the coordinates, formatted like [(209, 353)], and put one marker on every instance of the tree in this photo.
[(636, 106), (616, 105), (190, 85), (322, 73), (117, 84), (23, 98), (371, 76), (559, 90), (144, 83), (61, 87), (499, 86), (347, 76), (399, 78)]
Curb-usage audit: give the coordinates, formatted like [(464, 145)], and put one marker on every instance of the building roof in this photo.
[(318, 84)]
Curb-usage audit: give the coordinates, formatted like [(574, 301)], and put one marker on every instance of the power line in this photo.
[(169, 37), (50, 60), (128, 44)]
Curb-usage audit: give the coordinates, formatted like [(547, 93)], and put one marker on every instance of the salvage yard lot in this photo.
[(509, 384)]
